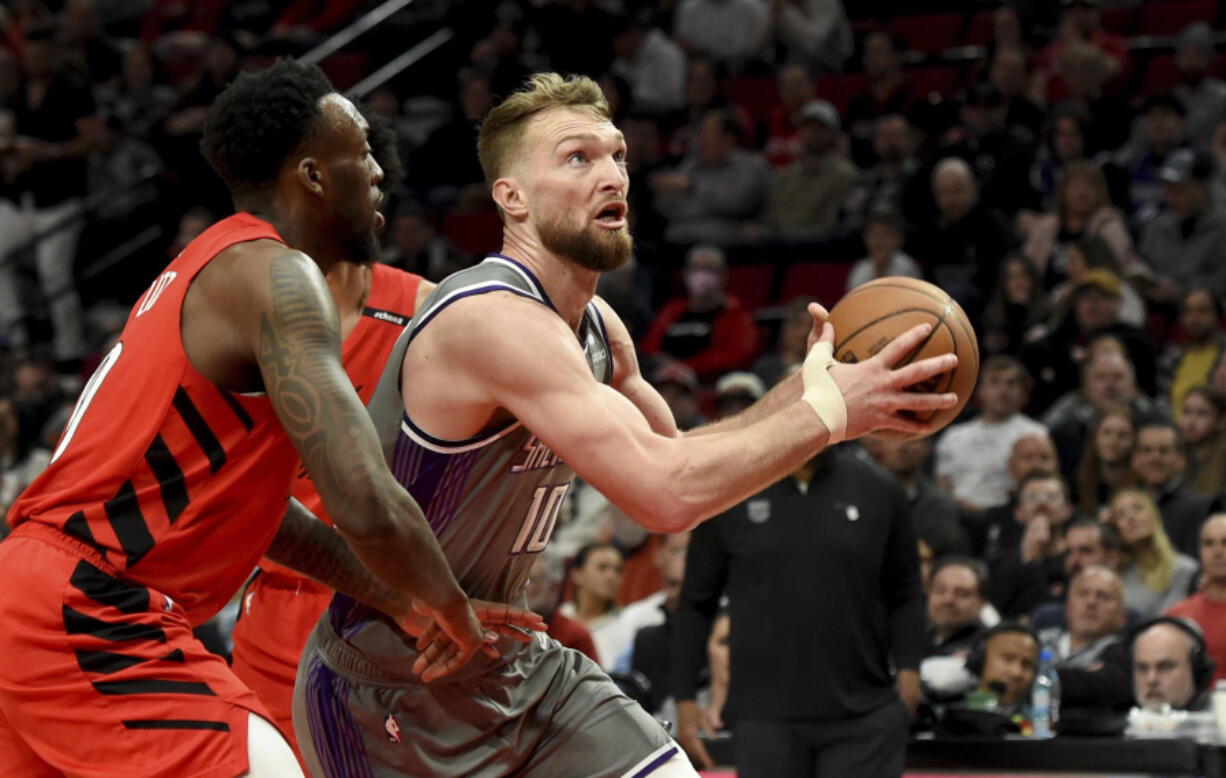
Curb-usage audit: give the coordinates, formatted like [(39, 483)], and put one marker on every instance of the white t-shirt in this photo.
[(974, 456)]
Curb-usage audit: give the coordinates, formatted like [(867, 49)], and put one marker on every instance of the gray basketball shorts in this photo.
[(548, 711)]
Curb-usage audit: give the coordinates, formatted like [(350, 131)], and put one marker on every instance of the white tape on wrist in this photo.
[(822, 393)]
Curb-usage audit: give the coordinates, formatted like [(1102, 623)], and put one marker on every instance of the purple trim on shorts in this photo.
[(336, 739), (651, 766)]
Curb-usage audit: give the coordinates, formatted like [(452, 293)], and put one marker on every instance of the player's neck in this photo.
[(350, 285), (297, 226), (569, 286)]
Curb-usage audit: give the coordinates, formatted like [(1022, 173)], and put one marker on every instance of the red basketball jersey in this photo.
[(392, 300), (178, 483)]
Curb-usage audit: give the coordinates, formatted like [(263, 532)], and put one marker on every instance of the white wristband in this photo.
[(822, 393)]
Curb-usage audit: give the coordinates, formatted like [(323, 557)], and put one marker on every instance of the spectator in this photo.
[(1155, 576), (1207, 607), (1033, 571), (1204, 95), (619, 289), (1009, 73), (710, 193), (417, 247), (665, 565), (957, 593), (732, 31), (650, 62), (56, 127), (708, 330), (796, 691), (1144, 160), (1190, 362), (650, 649), (141, 101), (1092, 253), (1095, 617), (804, 198), (1090, 542), (703, 94), (1188, 240), (1005, 661), (595, 576), (1065, 140), (812, 31), (783, 143), (1203, 424), (1170, 666), (499, 55), (1160, 462), (791, 344), (1085, 71), (962, 250), (543, 592), (1106, 460), (1016, 309), (934, 516), (973, 456), (883, 236), (997, 528), (83, 46), (736, 391), (678, 385), (1080, 23), (644, 157), (887, 93), (884, 185), (445, 161)]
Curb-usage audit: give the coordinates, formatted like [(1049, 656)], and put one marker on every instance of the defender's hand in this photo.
[(691, 721), (440, 654)]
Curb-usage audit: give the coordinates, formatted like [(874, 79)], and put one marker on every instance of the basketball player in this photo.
[(173, 472), (519, 374), (280, 606)]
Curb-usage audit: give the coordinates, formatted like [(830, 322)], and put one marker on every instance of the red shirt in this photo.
[(178, 483), (732, 344), (572, 634), (1211, 616)]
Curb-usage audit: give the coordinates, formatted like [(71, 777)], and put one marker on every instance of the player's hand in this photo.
[(876, 394), (441, 653), (909, 691), (457, 635), (691, 721), (819, 315)]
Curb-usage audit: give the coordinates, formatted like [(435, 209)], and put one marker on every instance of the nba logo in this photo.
[(758, 510), (393, 729)]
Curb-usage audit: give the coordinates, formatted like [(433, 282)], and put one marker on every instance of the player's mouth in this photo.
[(612, 216)]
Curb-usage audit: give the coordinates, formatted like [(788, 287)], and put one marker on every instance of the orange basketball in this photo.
[(871, 315)]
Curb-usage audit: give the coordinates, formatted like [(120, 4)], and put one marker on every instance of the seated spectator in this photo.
[(962, 250), (1017, 307), (650, 646), (1005, 661), (883, 237), (1160, 462), (736, 391), (703, 94), (444, 163), (731, 31), (84, 46), (1095, 616), (1063, 142), (1084, 73), (812, 31), (935, 516), (791, 344), (885, 184), (677, 383), (595, 576), (708, 330), (1207, 607), (1093, 253), (997, 528), (651, 63), (1088, 543), (1203, 424), (1155, 576), (888, 92), (1033, 571), (957, 593), (543, 591), (1188, 241), (804, 198), (1170, 666), (417, 247), (667, 564), (1203, 94), (1106, 460), (1009, 73), (783, 144), (1142, 160), (1189, 362), (1080, 24), (973, 456), (711, 192)]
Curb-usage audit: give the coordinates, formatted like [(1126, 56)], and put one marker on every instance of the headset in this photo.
[(1202, 664), (978, 655)]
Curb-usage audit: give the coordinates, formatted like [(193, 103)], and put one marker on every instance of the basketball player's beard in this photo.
[(362, 247), (606, 250)]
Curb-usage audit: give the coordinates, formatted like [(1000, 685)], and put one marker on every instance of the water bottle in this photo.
[(1045, 697)]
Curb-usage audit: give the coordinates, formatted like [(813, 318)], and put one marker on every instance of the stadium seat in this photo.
[(841, 88), (925, 81), (345, 68), (824, 281), (928, 33), (756, 94), (477, 232), (751, 284), (1169, 18)]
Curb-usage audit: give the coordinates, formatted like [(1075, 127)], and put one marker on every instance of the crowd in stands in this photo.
[(1058, 167)]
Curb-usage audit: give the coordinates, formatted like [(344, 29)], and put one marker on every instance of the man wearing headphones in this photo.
[(1005, 661), (1170, 665)]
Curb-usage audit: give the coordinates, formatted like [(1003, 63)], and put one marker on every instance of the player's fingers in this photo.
[(818, 312), (903, 424), (513, 631), (916, 372), (428, 656), (922, 401), (491, 614), (903, 344), (428, 636)]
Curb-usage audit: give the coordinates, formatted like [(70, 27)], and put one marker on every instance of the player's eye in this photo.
[(577, 157)]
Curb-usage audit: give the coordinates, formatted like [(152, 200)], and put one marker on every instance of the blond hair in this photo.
[(502, 131), (1155, 563)]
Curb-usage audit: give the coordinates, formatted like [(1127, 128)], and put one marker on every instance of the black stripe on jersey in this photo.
[(170, 477), (105, 662), (174, 656), (153, 686), (123, 512), (220, 726), (100, 587), (388, 316), (77, 623), (239, 411), (77, 527), (199, 428)]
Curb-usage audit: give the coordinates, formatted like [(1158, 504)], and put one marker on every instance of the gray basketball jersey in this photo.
[(493, 499)]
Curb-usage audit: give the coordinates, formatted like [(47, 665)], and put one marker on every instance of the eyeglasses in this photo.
[(1036, 498)]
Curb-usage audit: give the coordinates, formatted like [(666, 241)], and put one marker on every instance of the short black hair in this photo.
[(977, 568), (1107, 535), (260, 120)]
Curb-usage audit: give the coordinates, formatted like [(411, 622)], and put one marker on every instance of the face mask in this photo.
[(701, 283)]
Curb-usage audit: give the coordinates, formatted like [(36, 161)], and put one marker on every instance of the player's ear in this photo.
[(508, 195), (308, 175)]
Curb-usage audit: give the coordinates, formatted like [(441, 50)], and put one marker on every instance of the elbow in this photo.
[(669, 515)]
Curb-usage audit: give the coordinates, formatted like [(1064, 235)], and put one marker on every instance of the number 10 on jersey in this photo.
[(541, 519)]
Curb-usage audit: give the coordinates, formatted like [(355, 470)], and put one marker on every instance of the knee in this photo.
[(268, 753)]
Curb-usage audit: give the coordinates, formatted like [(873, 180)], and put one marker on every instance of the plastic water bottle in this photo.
[(1045, 697)]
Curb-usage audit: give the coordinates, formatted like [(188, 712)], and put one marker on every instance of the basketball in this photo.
[(870, 316)]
